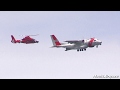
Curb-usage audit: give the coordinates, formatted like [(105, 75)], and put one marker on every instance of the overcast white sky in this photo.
[(39, 61)]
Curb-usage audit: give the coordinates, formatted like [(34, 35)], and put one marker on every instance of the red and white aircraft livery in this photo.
[(78, 45), (26, 40)]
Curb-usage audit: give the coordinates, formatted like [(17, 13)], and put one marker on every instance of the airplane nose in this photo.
[(100, 42)]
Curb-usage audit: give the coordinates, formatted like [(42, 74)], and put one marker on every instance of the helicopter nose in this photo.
[(37, 41)]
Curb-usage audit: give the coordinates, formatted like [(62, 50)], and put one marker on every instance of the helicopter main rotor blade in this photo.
[(33, 35)]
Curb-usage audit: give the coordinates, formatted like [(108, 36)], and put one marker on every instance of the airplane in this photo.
[(79, 45), (26, 40)]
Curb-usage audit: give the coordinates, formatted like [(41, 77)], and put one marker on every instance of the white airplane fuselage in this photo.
[(78, 46), (82, 46)]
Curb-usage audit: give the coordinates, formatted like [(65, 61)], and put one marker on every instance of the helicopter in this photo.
[(26, 40)]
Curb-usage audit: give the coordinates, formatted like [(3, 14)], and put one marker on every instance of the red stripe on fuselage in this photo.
[(57, 43), (90, 42)]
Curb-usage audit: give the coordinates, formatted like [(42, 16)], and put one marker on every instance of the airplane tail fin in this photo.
[(13, 39), (55, 40)]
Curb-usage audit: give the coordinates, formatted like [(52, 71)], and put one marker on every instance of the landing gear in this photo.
[(81, 50), (65, 50), (97, 46)]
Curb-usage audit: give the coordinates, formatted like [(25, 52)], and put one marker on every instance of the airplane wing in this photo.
[(75, 41)]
